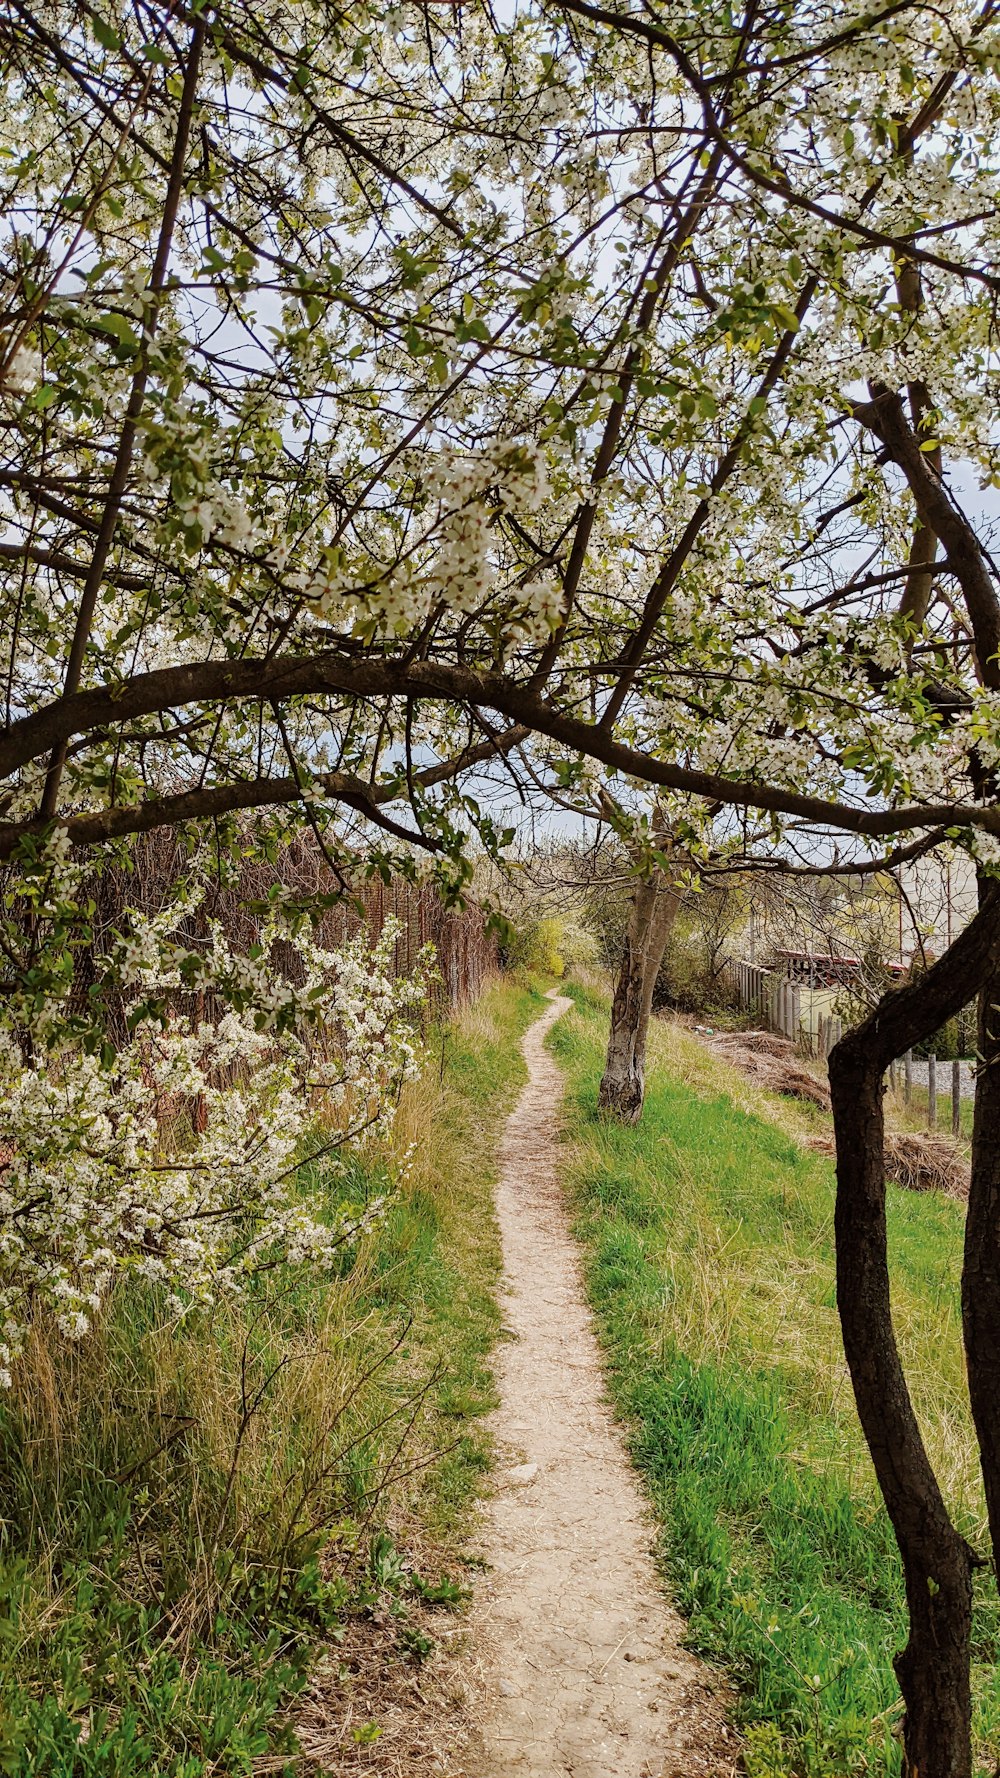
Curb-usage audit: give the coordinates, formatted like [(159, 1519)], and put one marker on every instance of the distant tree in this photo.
[(655, 902)]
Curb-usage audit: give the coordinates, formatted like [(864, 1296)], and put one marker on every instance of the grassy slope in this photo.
[(710, 1261), (159, 1603)]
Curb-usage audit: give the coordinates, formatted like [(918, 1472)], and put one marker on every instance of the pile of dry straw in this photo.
[(918, 1160)]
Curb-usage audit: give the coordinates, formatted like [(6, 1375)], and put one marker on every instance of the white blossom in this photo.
[(24, 371), (174, 1160)]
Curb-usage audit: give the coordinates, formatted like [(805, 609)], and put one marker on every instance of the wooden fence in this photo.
[(802, 1014), (466, 950), (752, 985)]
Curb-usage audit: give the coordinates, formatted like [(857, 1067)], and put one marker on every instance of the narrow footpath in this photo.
[(586, 1675)]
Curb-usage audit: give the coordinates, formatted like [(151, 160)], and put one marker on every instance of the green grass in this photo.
[(169, 1563), (709, 1244), (914, 1115)]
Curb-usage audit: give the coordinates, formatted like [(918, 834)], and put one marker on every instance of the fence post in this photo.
[(956, 1098), (908, 1077), (932, 1092), (796, 1014)]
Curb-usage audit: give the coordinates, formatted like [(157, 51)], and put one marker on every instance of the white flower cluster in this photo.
[(542, 608), (176, 1160), (181, 456), (24, 371), (453, 561), (516, 477), (218, 513)]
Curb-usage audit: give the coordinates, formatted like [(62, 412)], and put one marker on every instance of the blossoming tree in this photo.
[(101, 1176), (596, 397)]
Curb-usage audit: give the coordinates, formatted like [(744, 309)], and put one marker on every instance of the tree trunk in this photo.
[(654, 910), (933, 1669), (981, 1269)]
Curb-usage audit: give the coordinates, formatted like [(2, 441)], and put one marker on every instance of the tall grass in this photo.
[(187, 1512), (709, 1241)]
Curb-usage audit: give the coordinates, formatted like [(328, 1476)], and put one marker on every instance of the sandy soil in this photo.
[(585, 1675)]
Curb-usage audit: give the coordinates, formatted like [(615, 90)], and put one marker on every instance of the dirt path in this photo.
[(587, 1677)]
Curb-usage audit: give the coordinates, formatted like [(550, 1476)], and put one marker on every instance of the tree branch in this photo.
[(885, 417), (286, 676), (206, 803)]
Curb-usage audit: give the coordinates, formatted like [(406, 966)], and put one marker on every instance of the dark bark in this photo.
[(981, 1270), (351, 674), (653, 912), (933, 1669), (885, 416)]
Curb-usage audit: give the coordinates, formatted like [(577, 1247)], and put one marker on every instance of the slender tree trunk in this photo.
[(653, 912), (933, 1669), (981, 1270)]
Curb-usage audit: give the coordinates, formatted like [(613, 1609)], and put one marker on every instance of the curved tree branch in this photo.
[(287, 676), (885, 417)]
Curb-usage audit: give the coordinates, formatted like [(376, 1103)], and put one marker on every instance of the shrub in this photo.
[(172, 1158)]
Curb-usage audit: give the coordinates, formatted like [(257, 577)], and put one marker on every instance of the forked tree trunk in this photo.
[(934, 1668), (654, 909)]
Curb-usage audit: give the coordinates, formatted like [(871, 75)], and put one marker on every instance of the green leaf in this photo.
[(120, 329), (786, 316), (105, 34)]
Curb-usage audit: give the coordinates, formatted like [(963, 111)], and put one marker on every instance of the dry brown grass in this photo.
[(926, 1162), (773, 1062), (920, 1161), (425, 1714), (235, 1428)]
